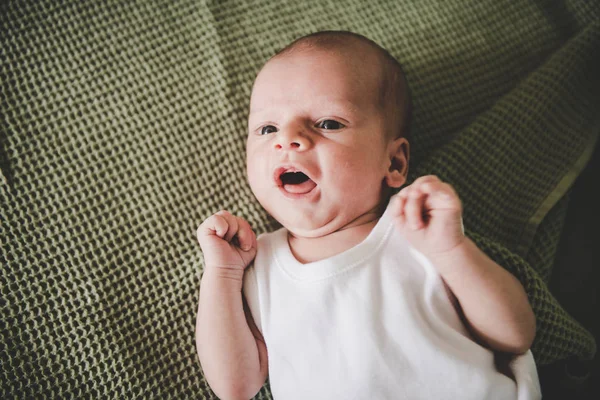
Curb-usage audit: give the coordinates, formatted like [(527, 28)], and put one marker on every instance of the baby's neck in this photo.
[(308, 249)]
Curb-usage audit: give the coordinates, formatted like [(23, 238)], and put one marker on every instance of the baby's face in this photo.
[(317, 149)]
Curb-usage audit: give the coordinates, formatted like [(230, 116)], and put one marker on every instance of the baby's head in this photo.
[(328, 124)]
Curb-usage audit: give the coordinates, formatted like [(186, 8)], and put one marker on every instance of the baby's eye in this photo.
[(265, 130), (330, 124)]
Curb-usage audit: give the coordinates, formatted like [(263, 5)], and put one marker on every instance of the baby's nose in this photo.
[(292, 141)]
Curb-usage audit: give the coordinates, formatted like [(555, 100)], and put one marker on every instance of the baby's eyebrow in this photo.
[(255, 110), (342, 106), (350, 106)]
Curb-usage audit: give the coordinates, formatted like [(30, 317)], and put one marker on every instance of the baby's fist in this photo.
[(227, 242), (428, 214)]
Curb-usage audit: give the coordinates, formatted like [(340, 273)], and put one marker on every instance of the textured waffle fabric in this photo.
[(122, 126)]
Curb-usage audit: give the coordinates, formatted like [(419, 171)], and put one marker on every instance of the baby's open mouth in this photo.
[(294, 181), (293, 178)]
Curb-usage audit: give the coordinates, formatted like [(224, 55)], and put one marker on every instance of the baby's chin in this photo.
[(309, 233), (312, 228), (307, 229), (300, 225), (327, 217)]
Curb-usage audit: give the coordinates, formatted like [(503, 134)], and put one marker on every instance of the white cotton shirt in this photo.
[(373, 322)]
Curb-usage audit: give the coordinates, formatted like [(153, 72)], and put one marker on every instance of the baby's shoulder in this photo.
[(267, 245)]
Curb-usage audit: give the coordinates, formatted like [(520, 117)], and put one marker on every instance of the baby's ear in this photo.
[(398, 162)]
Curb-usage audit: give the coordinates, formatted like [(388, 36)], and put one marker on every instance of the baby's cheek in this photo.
[(357, 176), (255, 178)]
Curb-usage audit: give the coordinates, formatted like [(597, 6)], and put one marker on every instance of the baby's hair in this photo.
[(393, 85)]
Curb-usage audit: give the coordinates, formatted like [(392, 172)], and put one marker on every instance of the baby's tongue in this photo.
[(300, 188)]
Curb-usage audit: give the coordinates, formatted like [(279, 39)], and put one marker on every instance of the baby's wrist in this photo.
[(225, 277), (451, 257)]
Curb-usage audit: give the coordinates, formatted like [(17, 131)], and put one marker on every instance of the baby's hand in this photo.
[(227, 241), (428, 214)]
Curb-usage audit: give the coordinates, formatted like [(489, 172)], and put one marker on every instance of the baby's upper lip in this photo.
[(287, 168)]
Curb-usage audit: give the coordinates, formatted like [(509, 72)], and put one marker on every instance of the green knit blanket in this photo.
[(122, 126)]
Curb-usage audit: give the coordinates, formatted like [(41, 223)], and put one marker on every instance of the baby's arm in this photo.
[(429, 214), (492, 300), (233, 356)]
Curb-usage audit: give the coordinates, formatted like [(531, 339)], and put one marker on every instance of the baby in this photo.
[(362, 294)]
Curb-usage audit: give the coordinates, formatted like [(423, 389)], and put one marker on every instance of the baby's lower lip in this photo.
[(299, 191), (300, 188)]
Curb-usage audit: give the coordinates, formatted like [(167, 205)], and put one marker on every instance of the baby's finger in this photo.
[(214, 225), (231, 222), (397, 204), (424, 179), (414, 209), (432, 186), (405, 192), (245, 234), (441, 195)]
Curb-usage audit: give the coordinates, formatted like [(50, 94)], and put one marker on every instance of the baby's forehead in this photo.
[(316, 80), (349, 50), (360, 65)]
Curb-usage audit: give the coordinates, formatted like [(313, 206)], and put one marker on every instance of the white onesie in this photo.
[(373, 322)]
